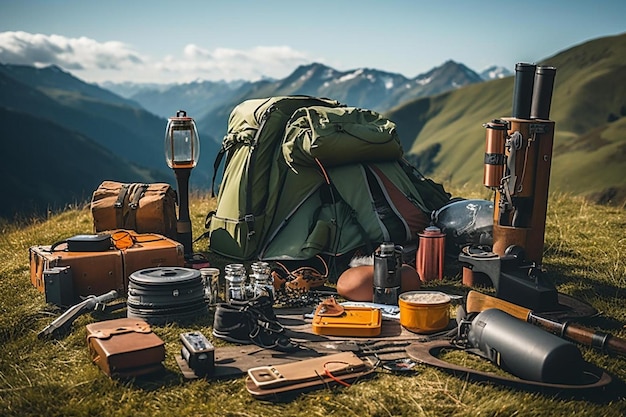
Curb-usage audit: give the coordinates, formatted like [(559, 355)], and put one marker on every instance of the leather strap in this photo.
[(136, 193), (306, 370), (119, 204)]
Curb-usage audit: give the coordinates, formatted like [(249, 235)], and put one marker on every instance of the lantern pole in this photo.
[(183, 224)]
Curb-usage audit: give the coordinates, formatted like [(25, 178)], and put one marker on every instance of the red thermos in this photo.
[(430, 254)]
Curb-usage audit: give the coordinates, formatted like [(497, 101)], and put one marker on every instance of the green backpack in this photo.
[(255, 132), (305, 176)]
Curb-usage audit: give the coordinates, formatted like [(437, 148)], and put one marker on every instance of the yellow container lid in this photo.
[(354, 321)]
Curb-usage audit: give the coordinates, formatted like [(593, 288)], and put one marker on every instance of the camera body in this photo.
[(198, 352)]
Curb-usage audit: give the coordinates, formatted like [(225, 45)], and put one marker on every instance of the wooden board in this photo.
[(234, 361)]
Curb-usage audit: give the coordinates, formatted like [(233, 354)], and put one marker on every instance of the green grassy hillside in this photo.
[(588, 106), (585, 256)]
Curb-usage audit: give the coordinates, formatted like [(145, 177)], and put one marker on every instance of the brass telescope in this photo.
[(518, 157)]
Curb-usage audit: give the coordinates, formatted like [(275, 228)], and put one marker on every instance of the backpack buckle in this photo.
[(249, 219)]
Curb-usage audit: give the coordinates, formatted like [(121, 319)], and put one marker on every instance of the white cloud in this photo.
[(70, 53), (116, 61)]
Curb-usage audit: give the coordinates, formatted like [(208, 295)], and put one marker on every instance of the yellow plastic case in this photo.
[(355, 321)]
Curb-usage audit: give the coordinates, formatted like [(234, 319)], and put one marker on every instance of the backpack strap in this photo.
[(248, 216), (216, 167), (397, 229)]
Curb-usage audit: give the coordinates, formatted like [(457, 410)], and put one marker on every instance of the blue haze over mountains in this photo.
[(123, 124)]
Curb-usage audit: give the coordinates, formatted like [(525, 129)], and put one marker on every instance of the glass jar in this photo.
[(235, 277), (261, 281), (211, 283)]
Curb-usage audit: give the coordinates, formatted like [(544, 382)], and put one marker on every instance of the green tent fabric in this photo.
[(339, 219)]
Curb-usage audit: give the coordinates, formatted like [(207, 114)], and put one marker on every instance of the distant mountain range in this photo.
[(88, 133), (201, 97), (210, 102), (51, 107), (67, 136)]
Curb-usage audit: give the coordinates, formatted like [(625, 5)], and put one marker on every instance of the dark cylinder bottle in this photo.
[(542, 92), (523, 90)]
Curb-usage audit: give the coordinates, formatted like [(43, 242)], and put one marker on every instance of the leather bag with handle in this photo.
[(144, 208)]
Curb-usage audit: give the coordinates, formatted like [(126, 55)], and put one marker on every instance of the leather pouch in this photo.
[(125, 347)]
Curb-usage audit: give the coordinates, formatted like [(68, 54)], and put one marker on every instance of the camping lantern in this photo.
[(182, 149)]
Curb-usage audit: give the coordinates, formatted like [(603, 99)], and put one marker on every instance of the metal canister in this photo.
[(495, 159), (261, 281), (235, 278), (387, 279), (430, 254), (524, 350), (542, 92), (523, 90)]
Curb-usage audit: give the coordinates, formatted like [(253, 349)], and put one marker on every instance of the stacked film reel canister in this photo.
[(165, 295)]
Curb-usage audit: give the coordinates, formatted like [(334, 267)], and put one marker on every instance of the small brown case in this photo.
[(125, 347)]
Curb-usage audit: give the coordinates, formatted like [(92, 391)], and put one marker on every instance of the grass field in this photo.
[(585, 254)]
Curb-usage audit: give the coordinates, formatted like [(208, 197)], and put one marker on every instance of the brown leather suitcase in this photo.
[(95, 273), (125, 347), (145, 208)]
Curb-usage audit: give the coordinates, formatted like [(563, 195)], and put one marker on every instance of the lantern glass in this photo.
[(182, 144)]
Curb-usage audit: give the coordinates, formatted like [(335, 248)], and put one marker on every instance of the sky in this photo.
[(178, 42)]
